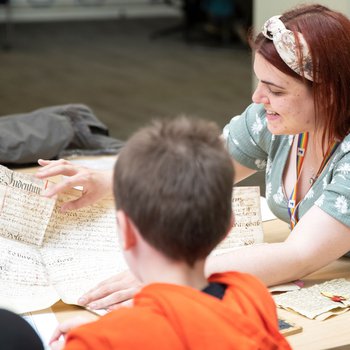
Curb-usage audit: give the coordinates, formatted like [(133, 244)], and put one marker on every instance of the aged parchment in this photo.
[(313, 303), (47, 255), (247, 229)]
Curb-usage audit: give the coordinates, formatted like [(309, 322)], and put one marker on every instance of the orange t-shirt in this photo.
[(167, 316)]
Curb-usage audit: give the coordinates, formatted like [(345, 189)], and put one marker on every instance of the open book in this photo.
[(47, 255)]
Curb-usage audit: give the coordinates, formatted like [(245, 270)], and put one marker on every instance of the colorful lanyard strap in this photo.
[(301, 151)]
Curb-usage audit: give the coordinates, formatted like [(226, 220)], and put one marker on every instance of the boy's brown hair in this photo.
[(174, 180)]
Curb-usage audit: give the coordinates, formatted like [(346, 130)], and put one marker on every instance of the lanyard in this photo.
[(301, 151)]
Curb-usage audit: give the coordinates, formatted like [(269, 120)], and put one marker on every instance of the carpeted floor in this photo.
[(124, 76)]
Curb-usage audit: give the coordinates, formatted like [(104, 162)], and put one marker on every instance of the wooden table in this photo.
[(333, 332), (327, 334)]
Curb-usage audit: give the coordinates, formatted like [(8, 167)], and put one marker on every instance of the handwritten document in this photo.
[(47, 255), (316, 302), (247, 229)]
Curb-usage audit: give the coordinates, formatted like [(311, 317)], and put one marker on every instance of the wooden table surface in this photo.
[(327, 334)]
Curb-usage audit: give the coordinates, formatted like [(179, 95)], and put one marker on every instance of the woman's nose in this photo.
[(259, 96)]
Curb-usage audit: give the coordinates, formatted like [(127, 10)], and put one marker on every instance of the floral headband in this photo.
[(285, 43)]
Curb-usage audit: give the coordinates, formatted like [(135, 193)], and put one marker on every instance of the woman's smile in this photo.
[(271, 116)]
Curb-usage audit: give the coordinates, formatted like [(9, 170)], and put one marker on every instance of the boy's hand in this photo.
[(96, 184), (112, 293), (56, 343)]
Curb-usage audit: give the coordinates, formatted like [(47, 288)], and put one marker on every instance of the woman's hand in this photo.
[(56, 341), (96, 183), (112, 293)]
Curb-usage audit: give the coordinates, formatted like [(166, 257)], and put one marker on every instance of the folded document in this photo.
[(319, 301)]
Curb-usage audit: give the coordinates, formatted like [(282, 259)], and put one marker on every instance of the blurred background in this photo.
[(131, 60), (148, 61)]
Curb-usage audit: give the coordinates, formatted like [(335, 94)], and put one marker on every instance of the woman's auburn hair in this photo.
[(327, 33)]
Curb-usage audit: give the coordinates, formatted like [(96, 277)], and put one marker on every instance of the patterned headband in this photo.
[(285, 43)]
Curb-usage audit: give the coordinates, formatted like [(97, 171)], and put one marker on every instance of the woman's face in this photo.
[(288, 102)]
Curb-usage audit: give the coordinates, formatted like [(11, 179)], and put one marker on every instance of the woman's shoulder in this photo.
[(342, 154), (250, 141), (345, 145), (333, 187), (249, 124), (251, 114)]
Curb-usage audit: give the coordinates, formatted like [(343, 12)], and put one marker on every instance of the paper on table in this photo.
[(81, 248), (266, 213), (311, 303), (44, 323), (67, 255), (285, 287), (247, 228), (333, 312), (16, 224)]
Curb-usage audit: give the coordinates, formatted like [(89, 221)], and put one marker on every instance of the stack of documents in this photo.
[(319, 301)]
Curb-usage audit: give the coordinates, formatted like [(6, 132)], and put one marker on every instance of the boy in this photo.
[(173, 185)]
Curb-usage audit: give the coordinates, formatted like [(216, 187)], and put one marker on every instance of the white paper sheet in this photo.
[(44, 323), (266, 213)]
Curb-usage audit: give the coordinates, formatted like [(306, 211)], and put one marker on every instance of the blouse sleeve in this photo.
[(335, 199), (247, 137)]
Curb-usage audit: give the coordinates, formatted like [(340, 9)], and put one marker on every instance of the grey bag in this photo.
[(54, 132)]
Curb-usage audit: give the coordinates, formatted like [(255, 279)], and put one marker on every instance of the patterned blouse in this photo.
[(252, 145)]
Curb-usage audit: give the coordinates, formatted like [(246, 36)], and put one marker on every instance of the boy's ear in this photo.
[(127, 230)]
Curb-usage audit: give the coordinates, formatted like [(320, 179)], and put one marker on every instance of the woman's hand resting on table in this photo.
[(112, 293), (96, 183)]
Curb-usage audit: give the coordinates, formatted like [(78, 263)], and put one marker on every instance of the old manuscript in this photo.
[(247, 229), (47, 255), (319, 301)]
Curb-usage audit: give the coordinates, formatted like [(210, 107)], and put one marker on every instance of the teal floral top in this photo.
[(252, 145)]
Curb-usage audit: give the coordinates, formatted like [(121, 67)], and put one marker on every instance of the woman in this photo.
[(297, 130)]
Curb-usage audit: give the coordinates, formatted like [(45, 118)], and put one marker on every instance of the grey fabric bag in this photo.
[(54, 132)]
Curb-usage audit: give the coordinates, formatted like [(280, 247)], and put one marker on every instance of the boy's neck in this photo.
[(176, 273)]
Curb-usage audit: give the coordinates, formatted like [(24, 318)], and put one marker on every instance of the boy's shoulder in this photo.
[(167, 316), (127, 328), (248, 290), (240, 280)]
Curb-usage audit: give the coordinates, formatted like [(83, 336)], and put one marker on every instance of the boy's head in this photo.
[(174, 180)]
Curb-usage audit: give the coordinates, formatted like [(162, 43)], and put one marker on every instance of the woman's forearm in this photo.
[(273, 263), (316, 240)]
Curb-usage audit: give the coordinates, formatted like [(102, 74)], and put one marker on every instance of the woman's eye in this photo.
[(276, 93)]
